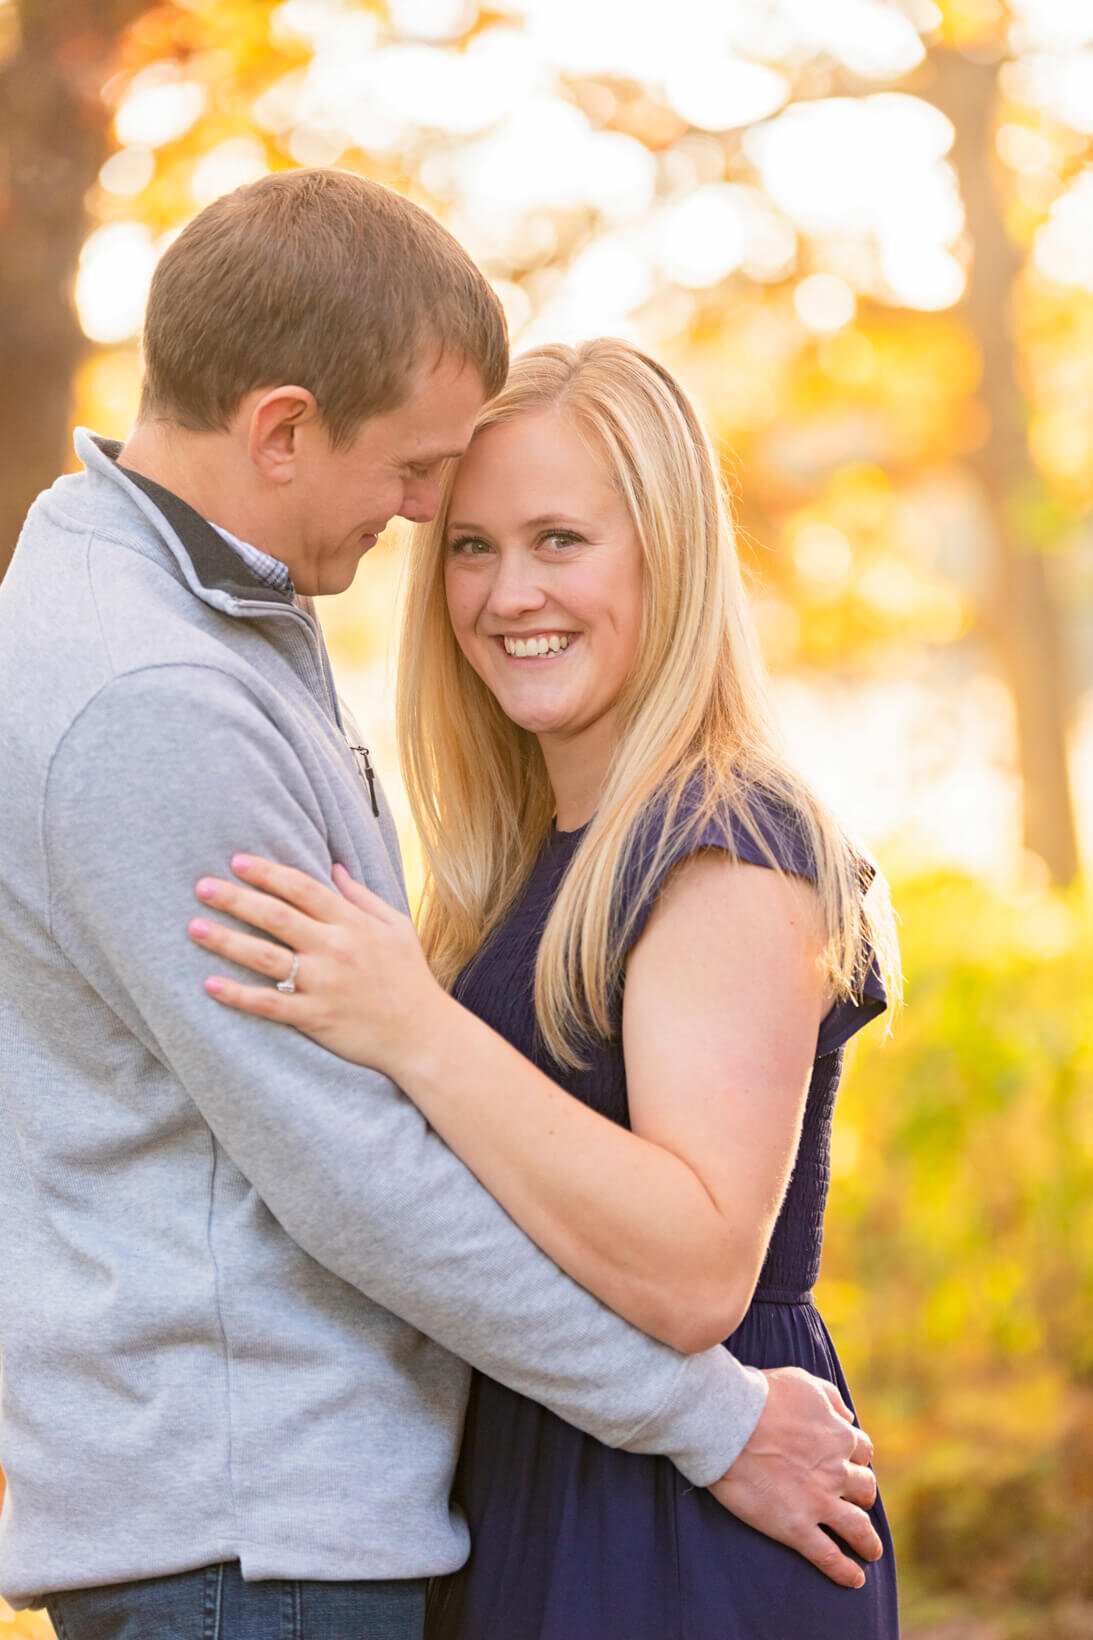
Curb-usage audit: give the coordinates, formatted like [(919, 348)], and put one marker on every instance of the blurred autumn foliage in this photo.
[(958, 1266), (863, 233)]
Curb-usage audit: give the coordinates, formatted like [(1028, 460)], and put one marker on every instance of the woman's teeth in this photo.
[(537, 646)]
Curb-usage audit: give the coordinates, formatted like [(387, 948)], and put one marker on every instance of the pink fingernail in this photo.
[(241, 863), (206, 889), (200, 929), (214, 987)]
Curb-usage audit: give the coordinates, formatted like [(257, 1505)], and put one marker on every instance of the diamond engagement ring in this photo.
[(288, 984)]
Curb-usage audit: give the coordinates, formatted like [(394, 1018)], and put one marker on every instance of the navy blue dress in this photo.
[(573, 1540)]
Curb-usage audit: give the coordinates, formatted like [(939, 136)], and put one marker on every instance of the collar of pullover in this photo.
[(213, 569)]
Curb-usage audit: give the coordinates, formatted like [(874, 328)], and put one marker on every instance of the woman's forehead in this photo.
[(534, 461)]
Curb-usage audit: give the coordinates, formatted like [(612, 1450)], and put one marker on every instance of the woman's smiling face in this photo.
[(543, 575)]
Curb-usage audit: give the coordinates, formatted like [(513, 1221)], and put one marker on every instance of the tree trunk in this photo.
[(1025, 618), (54, 136)]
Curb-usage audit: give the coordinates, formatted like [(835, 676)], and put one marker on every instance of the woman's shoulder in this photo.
[(749, 822), (761, 827)]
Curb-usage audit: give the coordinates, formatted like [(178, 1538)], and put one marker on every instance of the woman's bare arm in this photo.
[(723, 1002), (669, 1223)]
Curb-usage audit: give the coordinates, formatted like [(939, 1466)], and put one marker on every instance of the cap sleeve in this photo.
[(772, 828), (847, 1017)]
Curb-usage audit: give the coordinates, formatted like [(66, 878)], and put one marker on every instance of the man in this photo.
[(243, 1278)]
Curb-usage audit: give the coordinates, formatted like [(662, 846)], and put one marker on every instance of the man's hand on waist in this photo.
[(804, 1468)]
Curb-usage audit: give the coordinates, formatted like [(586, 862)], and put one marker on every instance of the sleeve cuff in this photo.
[(708, 1418)]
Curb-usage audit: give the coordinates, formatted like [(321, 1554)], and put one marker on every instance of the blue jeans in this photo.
[(215, 1604)]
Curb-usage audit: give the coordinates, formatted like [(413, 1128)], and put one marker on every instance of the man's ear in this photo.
[(272, 430)]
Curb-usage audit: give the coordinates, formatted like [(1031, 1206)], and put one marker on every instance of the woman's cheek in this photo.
[(464, 602)]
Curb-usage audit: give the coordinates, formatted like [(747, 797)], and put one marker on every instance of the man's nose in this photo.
[(420, 501)]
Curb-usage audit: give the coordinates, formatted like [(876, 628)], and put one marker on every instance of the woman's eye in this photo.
[(561, 538), (469, 546)]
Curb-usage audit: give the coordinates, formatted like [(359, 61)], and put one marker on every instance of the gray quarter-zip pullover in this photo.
[(241, 1279)]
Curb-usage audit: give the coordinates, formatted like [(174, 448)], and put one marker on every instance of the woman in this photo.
[(645, 945)]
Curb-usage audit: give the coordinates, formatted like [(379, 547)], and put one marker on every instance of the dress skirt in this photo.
[(573, 1540)]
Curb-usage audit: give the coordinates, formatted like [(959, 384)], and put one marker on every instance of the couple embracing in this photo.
[(279, 1171)]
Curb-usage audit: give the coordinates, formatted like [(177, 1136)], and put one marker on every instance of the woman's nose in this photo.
[(515, 586)]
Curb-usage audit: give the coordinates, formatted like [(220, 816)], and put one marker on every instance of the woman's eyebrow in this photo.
[(527, 524)]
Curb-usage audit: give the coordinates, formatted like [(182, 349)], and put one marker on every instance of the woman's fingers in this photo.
[(262, 1000), (275, 961), (362, 977), (288, 884), (262, 911), (358, 895)]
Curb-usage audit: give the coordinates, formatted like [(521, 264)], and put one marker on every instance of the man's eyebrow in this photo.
[(428, 458)]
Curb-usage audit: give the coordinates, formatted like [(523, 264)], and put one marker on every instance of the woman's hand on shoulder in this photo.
[(361, 986)]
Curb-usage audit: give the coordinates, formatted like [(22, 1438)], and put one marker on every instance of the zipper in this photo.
[(369, 774)]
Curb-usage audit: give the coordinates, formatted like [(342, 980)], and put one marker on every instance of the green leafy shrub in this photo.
[(958, 1268)]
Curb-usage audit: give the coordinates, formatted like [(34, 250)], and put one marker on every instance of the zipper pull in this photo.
[(369, 775)]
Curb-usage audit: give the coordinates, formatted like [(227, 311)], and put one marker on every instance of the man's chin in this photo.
[(331, 579)]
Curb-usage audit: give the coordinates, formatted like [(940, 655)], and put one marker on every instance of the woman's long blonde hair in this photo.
[(696, 737)]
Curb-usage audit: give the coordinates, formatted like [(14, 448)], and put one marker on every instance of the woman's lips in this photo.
[(554, 650)]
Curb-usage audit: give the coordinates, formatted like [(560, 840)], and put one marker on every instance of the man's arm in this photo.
[(165, 774)]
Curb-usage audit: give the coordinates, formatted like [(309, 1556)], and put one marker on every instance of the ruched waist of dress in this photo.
[(782, 1295)]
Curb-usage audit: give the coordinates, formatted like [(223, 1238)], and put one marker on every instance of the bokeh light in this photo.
[(159, 106), (116, 268)]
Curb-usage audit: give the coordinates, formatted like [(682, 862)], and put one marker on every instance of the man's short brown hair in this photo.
[(322, 279)]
